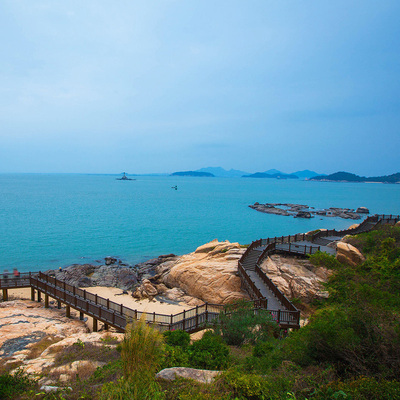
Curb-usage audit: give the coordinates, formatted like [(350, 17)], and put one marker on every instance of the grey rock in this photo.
[(199, 375)]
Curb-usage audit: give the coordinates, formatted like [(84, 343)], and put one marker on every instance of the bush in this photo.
[(14, 385), (175, 356), (177, 338), (361, 388), (255, 387), (210, 352), (141, 354), (240, 324)]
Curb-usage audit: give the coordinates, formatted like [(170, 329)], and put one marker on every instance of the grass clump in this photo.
[(141, 356), (15, 385), (240, 324)]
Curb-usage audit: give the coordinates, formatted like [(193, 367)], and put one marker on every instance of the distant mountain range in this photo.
[(234, 173), (193, 173), (223, 173), (274, 173), (349, 177)]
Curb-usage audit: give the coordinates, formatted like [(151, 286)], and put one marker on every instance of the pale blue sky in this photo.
[(161, 86)]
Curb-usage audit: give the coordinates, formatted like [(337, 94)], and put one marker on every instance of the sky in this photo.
[(171, 85)]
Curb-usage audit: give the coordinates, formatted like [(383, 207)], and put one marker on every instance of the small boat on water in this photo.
[(125, 178)]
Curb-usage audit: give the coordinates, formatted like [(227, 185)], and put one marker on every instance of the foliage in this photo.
[(131, 390), (210, 352), (360, 388), (85, 351), (322, 259), (16, 384), (177, 338), (357, 329), (240, 324), (175, 356), (141, 350), (141, 355)]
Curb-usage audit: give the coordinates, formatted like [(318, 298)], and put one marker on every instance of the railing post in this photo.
[(184, 320), (121, 309), (154, 317), (206, 312), (279, 316), (197, 316), (84, 294), (95, 297), (108, 303), (172, 321), (289, 247), (73, 290)]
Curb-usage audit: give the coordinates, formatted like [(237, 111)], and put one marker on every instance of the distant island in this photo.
[(220, 172), (349, 177), (276, 176), (193, 173)]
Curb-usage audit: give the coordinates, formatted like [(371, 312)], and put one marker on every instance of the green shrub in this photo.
[(210, 352), (360, 388), (141, 356), (16, 384), (256, 387), (175, 356), (177, 338), (322, 259), (141, 350), (239, 324), (127, 390)]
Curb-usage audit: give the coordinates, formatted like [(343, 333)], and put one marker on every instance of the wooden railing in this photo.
[(118, 315), (365, 226), (249, 284), (115, 314), (15, 282)]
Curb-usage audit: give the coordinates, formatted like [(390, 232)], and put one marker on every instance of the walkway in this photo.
[(263, 291), (259, 285)]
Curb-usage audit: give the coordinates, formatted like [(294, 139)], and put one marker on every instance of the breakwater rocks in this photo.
[(304, 211)]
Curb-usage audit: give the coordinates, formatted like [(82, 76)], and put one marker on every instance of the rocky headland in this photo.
[(305, 211), (39, 340)]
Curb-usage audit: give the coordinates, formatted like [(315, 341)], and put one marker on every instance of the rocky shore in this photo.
[(304, 211), (35, 338)]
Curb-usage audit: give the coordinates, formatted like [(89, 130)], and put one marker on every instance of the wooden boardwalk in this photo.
[(259, 285), (263, 291)]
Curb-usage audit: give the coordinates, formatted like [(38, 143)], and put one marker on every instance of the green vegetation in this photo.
[(349, 177), (12, 386), (349, 350)]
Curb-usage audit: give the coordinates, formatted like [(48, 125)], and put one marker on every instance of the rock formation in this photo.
[(209, 274), (87, 275), (348, 254), (296, 278), (31, 337), (199, 375)]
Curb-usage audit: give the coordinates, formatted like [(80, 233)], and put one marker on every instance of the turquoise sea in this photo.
[(52, 220)]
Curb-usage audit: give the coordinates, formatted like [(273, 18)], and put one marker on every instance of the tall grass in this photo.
[(141, 355)]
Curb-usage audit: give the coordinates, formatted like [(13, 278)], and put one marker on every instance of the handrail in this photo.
[(118, 315), (272, 246)]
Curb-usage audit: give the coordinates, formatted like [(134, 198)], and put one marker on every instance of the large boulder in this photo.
[(296, 278), (362, 210), (87, 275), (199, 375), (210, 273), (348, 254)]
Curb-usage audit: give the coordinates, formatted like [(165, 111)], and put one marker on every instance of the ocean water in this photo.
[(52, 220)]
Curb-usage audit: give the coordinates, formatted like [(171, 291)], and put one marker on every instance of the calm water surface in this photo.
[(56, 220)]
